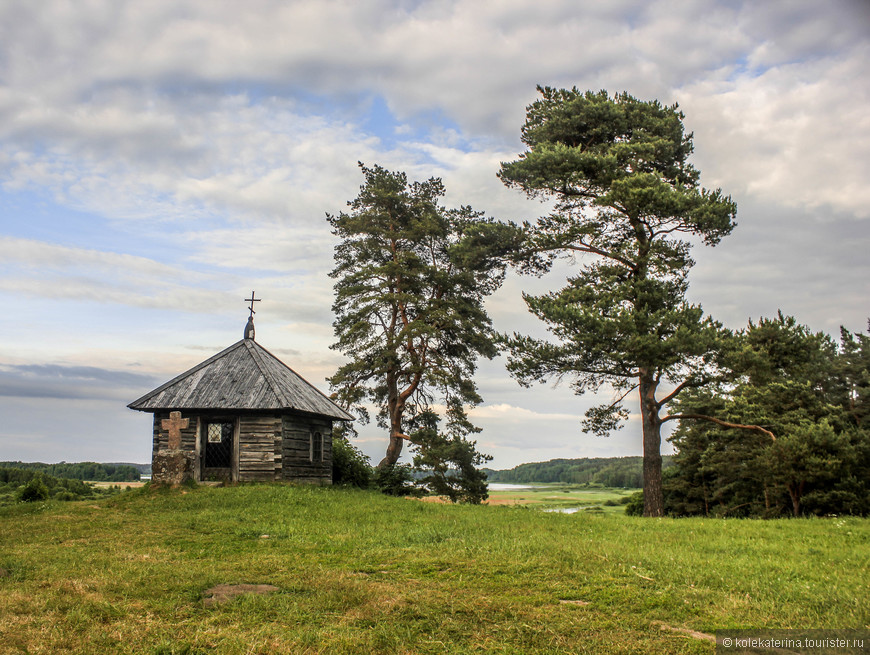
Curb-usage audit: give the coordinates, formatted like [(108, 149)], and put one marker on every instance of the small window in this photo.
[(315, 451)]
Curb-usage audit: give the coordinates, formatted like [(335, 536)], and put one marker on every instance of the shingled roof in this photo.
[(245, 376)]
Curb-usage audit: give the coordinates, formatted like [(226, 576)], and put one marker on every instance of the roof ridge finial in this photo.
[(249, 328)]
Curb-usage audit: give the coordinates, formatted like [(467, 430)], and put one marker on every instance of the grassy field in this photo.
[(358, 572), (564, 497)]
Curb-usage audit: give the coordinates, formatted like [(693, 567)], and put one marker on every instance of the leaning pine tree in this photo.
[(624, 196), (411, 281)]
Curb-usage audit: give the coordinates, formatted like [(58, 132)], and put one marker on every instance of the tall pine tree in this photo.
[(624, 197), (411, 280)]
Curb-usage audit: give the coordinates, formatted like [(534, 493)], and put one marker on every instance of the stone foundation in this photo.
[(172, 467)]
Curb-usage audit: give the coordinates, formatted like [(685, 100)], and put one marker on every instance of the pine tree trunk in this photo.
[(394, 409), (394, 451), (653, 501), (795, 490)]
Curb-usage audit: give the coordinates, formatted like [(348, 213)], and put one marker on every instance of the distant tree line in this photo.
[(626, 472), (93, 471), (30, 485)]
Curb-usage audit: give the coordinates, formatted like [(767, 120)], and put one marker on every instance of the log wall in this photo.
[(296, 452), (266, 448)]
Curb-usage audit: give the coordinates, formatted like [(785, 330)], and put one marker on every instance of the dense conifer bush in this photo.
[(33, 491), (350, 466)]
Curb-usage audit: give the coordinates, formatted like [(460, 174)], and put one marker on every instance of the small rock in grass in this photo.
[(225, 592)]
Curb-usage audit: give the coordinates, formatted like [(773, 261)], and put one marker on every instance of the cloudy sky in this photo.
[(161, 159)]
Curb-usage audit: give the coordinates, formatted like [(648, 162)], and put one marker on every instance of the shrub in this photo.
[(396, 480), (350, 466), (450, 462), (634, 506), (33, 491)]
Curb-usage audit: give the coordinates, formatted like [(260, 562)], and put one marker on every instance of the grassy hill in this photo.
[(358, 572)]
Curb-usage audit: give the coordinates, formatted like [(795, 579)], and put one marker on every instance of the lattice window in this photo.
[(215, 433)]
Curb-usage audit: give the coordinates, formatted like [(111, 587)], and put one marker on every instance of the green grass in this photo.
[(359, 572)]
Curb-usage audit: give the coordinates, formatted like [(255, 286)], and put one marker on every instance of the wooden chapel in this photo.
[(241, 415)]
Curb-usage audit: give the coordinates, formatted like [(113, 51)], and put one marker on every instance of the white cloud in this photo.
[(243, 160), (39, 255), (510, 413), (144, 117), (65, 381), (810, 264), (53, 271), (794, 135), (783, 33)]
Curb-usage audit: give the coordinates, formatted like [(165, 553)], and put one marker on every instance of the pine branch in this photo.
[(683, 385), (585, 247), (622, 397), (718, 421)]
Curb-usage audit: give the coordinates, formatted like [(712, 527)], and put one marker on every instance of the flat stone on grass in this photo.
[(223, 593)]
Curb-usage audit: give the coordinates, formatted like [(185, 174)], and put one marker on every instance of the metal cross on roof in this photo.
[(252, 300)]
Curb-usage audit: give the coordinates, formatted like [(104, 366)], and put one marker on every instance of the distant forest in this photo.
[(92, 471), (31, 485), (605, 471)]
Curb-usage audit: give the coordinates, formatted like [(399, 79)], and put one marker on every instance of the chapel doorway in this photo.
[(217, 450)]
